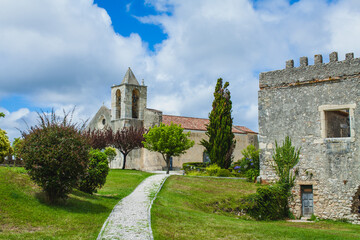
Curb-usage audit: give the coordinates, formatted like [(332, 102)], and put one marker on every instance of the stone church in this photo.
[(318, 107), (128, 108)]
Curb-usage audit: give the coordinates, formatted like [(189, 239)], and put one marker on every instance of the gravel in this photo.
[(130, 218)]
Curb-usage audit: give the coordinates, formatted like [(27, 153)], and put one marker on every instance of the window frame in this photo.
[(323, 124)]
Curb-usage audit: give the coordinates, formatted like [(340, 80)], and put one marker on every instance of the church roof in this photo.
[(199, 124), (130, 78)]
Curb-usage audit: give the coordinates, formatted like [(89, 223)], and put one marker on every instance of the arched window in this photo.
[(135, 103), (118, 104)]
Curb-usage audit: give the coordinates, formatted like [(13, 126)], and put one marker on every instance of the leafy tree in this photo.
[(270, 202), (16, 146), (97, 172), (56, 154), (126, 139), (5, 148), (285, 157), (110, 153), (169, 140), (98, 139), (221, 143)]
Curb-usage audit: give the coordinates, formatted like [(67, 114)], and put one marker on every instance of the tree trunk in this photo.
[(168, 164), (123, 167)]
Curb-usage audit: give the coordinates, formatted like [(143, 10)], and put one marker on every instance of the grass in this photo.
[(205, 208), (24, 215)]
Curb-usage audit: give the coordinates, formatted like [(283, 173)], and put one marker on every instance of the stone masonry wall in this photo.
[(292, 102)]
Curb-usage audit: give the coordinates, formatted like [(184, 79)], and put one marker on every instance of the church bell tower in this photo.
[(128, 102)]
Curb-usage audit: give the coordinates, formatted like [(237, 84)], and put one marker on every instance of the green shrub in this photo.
[(212, 170), (97, 172), (55, 154), (223, 173), (270, 202), (196, 173), (249, 165), (191, 166), (285, 158), (16, 146)]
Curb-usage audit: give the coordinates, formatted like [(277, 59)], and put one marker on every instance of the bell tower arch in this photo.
[(128, 102)]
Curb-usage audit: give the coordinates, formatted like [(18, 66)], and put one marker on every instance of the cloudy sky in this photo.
[(62, 53)]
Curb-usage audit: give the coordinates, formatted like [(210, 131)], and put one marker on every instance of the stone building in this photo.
[(318, 107), (128, 108)]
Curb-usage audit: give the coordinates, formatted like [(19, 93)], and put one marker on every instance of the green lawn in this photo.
[(24, 215), (205, 208)]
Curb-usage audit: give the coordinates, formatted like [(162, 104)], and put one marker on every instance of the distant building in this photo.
[(318, 106), (128, 108)]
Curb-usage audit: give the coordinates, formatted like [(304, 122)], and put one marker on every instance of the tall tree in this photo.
[(221, 142), (126, 139), (169, 140)]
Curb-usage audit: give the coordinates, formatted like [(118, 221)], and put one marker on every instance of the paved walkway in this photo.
[(130, 218)]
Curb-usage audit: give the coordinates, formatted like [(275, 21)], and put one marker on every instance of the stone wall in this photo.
[(142, 159), (294, 102)]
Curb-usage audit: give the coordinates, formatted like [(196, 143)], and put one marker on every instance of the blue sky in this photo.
[(64, 53), (124, 20)]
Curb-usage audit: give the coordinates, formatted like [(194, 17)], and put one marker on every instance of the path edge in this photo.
[(151, 203), (107, 219)]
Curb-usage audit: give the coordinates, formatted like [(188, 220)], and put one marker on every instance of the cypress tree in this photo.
[(221, 142)]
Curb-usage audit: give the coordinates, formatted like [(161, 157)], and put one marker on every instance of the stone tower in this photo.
[(128, 102)]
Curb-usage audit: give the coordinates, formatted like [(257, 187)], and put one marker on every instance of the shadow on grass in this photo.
[(78, 203)]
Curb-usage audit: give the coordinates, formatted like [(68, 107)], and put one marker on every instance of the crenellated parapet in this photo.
[(309, 74)]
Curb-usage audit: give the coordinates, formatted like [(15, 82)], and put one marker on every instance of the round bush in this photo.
[(97, 172), (55, 154)]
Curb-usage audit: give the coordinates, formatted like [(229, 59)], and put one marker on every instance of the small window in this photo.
[(337, 123), (206, 158), (103, 121)]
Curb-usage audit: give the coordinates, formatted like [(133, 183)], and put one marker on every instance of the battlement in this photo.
[(319, 72)]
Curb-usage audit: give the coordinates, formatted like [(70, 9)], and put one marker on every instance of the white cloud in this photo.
[(64, 53), (16, 121)]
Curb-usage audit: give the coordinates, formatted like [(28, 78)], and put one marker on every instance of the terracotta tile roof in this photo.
[(199, 124)]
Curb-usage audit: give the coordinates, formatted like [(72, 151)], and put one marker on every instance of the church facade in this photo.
[(128, 108)]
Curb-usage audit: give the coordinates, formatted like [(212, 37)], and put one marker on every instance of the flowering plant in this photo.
[(249, 164)]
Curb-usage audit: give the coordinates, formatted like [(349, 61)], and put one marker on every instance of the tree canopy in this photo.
[(5, 147), (221, 142), (126, 139), (168, 140)]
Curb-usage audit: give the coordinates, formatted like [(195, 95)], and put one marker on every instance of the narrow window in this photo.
[(337, 123), (118, 104), (206, 158), (135, 103)]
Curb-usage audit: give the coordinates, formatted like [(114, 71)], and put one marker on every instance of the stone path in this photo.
[(130, 218)]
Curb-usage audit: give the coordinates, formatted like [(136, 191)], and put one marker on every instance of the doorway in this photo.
[(307, 200)]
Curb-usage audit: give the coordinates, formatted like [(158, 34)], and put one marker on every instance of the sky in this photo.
[(63, 53)]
